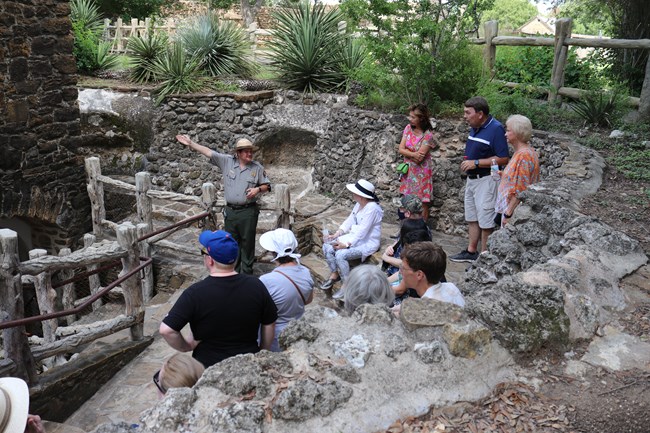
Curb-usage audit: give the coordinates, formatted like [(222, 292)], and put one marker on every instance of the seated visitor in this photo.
[(225, 310), (178, 371), (290, 283), (358, 237), (367, 284), (423, 265), (391, 257), (14, 408)]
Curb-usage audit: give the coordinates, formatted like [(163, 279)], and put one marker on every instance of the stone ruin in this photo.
[(549, 280)]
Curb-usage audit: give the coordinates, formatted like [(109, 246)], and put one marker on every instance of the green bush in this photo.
[(84, 48), (178, 73), (222, 47), (307, 47), (142, 52), (598, 108), (533, 65)]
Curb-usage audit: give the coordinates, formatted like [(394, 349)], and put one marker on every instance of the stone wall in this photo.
[(341, 142), (42, 177)]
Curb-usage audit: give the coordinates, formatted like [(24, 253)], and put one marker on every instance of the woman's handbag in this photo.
[(403, 168)]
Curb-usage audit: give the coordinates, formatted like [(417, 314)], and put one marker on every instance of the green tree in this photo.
[(422, 43), (589, 17), (511, 14)]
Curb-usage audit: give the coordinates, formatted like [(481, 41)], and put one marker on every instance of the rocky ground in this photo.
[(550, 400)]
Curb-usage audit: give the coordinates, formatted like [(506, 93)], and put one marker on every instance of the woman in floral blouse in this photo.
[(521, 171)]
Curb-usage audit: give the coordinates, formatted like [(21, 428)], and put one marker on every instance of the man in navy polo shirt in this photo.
[(486, 141)]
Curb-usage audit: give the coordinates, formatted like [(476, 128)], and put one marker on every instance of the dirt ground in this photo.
[(549, 400)]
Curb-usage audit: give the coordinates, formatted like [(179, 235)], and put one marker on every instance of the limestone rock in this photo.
[(467, 340), (373, 313), (423, 313), (295, 331), (244, 417), (429, 353), (120, 427), (238, 376), (355, 350), (170, 414), (346, 372), (306, 398)]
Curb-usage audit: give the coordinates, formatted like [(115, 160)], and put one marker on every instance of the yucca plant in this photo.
[(105, 59), (306, 47), (222, 47), (178, 72), (597, 108), (142, 52), (87, 13)]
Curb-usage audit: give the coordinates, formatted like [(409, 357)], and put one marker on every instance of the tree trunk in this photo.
[(249, 11)]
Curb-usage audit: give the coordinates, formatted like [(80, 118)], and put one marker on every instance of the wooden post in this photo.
[(145, 251), (45, 295), (644, 100), (491, 31), (12, 307), (93, 281), (119, 39), (127, 239), (562, 32), (209, 198), (68, 294), (283, 204), (144, 202), (95, 194)]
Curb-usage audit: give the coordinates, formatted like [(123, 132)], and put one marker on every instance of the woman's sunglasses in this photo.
[(156, 380)]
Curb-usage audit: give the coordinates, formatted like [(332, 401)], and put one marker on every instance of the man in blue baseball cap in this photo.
[(224, 311)]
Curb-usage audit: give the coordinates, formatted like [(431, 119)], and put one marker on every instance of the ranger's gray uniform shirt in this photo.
[(235, 180)]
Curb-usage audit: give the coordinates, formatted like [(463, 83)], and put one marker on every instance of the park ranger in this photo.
[(243, 180)]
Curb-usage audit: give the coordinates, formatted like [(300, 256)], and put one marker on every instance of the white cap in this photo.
[(282, 242)]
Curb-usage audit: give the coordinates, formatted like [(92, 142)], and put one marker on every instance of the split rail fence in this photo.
[(561, 43), (133, 248)]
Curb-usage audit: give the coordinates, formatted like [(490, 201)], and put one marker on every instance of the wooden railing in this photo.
[(561, 43)]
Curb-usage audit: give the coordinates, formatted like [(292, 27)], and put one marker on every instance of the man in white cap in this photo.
[(14, 407), (225, 311), (290, 284), (244, 180), (358, 237)]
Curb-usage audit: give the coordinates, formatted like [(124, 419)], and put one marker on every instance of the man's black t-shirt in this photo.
[(224, 314)]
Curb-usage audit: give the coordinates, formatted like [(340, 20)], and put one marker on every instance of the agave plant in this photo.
[(597, 108), (105, 59), (87, 13), (222, 47), (142, 52), (178, 73), (306, 47)]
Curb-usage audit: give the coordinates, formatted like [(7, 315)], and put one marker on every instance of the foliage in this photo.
[(533, 65), (589, 17), (423, 44), (178, 73), (143, 51), (598, 108), (307, 48), (105, 59), (87, 16), (220, 4), (221, 47), (84, 48), (511, 14), (141, 9)]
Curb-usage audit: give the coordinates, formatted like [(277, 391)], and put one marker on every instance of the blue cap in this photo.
[(221, 246)]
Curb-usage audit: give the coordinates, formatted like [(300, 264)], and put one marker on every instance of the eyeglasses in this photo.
[(204, 252), (156, 380)]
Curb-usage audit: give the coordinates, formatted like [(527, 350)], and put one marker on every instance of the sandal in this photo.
[(330, 283)]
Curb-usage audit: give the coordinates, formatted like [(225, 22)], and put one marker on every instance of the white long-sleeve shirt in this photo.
[(363, 228)]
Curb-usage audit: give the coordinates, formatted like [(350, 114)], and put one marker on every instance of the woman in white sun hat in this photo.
[(290, 284), (14, 407), (358, 237)]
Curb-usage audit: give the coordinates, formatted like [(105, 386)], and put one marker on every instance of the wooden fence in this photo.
[(561, 43)]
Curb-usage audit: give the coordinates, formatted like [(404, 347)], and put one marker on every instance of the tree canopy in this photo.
[(511, 14)]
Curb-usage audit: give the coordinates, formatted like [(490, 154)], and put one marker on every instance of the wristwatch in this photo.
[(476, 162)]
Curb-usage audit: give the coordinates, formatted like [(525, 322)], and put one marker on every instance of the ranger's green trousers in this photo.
[(242, 224)]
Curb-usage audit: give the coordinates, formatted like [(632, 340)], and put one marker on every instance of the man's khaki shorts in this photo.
[(480, 197)]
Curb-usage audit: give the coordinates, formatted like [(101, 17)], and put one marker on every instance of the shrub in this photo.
[(306, 47), (221, 47), (105, 59), (598, 108), (178, 73), (143, 51), (84, 48)]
